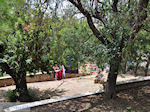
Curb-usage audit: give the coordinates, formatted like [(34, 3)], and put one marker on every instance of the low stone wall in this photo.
[(133, 83), (7, 81)]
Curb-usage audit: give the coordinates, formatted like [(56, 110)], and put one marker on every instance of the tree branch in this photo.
[(146, 30), (5, 67), (98, 13), (114, 6), (97, 16), (129, 1), (102, 38), (143, 4)]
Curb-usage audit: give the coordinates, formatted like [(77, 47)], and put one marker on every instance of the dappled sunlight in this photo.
[(125, 101)]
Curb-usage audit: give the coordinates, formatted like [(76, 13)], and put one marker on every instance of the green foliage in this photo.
[(73, 43), (33, 95), (12, 95), (129, 108), (34, 43), (26, 42), (137, 51), (117, 23)]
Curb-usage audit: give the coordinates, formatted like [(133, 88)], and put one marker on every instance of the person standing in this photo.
[(56, 72), (63, 71)]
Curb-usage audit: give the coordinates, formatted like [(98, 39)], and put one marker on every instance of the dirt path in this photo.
[(65, 87)]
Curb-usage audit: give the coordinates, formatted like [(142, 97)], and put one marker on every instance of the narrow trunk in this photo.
[(125, 67), (147, 66), (136, 68), (21, 88), (110, 91)]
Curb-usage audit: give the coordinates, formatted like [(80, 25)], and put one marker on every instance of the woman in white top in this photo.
[(63, 71)]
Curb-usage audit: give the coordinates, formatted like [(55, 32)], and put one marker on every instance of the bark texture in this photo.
[(20, 82), (147, 66), (21, 88), (110, 87)]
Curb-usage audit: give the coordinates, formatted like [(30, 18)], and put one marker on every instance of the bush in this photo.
[(130, 67), (33, 95), (12, 95)]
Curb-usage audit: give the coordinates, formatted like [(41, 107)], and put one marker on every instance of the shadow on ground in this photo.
[(49, 93), (133, 100), (38, 94)]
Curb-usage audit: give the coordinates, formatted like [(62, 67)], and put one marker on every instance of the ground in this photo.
[(65, 87), (133, 100)]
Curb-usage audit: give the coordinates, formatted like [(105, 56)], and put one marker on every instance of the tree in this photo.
[(146, 44), (73, 43), (36, 40), (145, 47), (119, 22), (24, 43), (138, 50)]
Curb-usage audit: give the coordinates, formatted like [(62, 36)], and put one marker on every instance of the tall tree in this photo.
[(119, 22), (24, 43)]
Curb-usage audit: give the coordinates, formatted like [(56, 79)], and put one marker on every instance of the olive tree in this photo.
[(118, 23)]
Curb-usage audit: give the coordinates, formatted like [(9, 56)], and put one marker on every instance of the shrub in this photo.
[(33, 95), (12, 95)]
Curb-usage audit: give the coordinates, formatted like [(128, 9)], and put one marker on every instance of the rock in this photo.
[(100, 79)]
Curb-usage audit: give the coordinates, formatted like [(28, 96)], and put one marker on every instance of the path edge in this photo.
[(53, 100)]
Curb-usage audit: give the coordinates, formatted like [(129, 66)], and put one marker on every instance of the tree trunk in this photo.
[(21, 88), (20, 82), (110, 88), (136, 68), (125, 68), (147, 66)]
